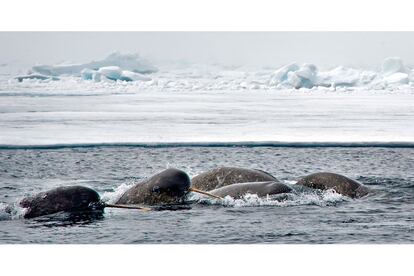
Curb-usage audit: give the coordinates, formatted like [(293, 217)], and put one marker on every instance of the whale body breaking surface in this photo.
[(171, 186)]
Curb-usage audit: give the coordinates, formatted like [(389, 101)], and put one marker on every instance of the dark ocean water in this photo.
[(385, 216)]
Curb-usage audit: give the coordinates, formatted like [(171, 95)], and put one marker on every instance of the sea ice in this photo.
[(304, 77), (339, 76), (132, 76), (208, 77), (281, 74), (392, 65), (131, 62), (87, 74), (157, 116), (111, 72), (35, 77), (397, 78)]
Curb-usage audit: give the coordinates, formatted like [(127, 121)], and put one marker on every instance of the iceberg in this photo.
[(305, 75), (397, 78), (132, 76), (281, 74), (393, 65), (111, 72), (339, 76), (87, 74), (295, 75), (130, 62), (393, 74)]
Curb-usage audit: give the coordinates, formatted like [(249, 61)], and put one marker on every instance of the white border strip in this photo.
[(212, 15), (207, 260)]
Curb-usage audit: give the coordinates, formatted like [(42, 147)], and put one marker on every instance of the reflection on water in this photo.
[(66, 219)]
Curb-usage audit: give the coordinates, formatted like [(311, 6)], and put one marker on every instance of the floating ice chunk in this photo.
[(96, 76), (87, 74), (131, 62), (304, 77), (366, 77), (111, 72), (393, 65), (132, 76), (294, 75), (294, 80), (307, 71), (281, 74), (339, 76), (397, 78), (57, 70), (35, 77)]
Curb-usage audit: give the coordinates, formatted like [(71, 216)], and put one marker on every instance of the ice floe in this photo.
[(129, 73), (117, 66)]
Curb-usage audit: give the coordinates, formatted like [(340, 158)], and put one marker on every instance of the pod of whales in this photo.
[(61, 199), (339, 183), (166, 187), (261, 189), (224, 176), (170, 186)]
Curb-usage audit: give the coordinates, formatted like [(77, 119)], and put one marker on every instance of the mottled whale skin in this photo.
[(339, 183), (61, 199), (261, 189), (166, 187), (224, 176)]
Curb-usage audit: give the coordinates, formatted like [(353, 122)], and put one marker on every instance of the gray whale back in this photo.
[(224, 176), (339, 183), (261, 189)]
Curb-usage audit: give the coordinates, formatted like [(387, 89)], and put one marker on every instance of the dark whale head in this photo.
[(166, 187), (171, 182), (61, 199)]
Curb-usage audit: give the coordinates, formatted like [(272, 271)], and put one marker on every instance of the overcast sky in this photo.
[(325, 49)]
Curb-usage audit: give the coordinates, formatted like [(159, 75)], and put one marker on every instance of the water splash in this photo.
[(11, 211), (112, 197), (319, 198)]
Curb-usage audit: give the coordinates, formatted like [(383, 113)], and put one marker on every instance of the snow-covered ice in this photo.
[(141, 75), (131, 62), (393, 65), (111, 101), (209, 116)]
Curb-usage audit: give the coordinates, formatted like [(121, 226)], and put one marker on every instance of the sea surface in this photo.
[(306, 216)]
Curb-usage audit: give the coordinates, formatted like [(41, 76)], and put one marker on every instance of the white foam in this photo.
[(319, 198), (11, 211), (112, 197)]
